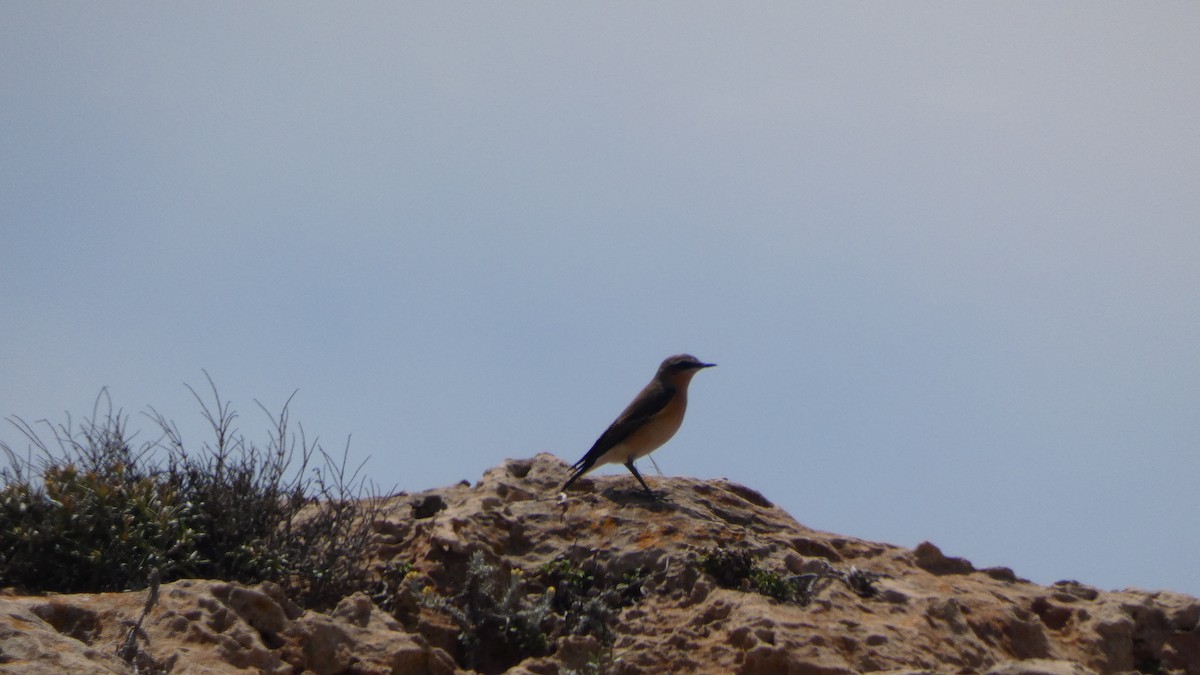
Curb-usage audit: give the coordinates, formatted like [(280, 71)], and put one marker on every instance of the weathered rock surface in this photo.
[(199, 627), (931, 613)]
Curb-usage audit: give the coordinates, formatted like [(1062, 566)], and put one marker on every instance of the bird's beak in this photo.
[(707, 365)]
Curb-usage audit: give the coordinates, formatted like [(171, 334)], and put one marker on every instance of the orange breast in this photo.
[(654, 433)]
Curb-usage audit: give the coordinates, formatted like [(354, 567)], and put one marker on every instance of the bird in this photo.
[(653, 417)]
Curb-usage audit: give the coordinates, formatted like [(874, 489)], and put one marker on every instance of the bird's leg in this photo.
[(633, 469)]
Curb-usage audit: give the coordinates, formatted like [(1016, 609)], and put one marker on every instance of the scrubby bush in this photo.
[(505, 614), (587, 601), (86, 510), (500, 621), (737, 568), (94, 516)]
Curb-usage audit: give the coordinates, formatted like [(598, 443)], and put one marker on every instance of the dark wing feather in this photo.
[(648, 403)]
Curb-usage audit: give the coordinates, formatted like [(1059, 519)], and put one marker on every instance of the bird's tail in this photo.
[(577, 469)]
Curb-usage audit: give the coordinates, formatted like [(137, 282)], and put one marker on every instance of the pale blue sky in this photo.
[(947, 255)]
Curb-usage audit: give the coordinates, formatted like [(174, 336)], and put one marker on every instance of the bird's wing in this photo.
[(647, 404)]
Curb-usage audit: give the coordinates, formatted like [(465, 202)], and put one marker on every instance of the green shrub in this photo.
[(737, 569), (94, 519), (505, 615), (731, 568), (92, 513), (589, 602), (500, 622)]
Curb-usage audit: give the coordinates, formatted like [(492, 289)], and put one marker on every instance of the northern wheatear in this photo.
[(647, 423)]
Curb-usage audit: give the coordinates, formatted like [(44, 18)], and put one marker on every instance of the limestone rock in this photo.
[(918, 610), (208, 627)]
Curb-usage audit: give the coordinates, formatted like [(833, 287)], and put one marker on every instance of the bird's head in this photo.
[(680, 368)]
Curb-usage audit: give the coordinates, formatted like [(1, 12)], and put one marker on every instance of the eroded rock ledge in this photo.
[(929, 613)]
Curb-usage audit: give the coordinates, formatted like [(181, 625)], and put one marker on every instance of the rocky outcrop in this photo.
[(200, 627), (918, 610)]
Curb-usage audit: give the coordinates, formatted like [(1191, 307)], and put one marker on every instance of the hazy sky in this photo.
[(947, 255)]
